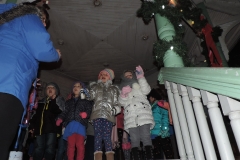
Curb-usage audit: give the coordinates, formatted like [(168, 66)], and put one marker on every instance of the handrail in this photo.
[(223, 81)]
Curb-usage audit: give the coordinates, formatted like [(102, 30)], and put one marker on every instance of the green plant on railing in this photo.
[(175, 12)]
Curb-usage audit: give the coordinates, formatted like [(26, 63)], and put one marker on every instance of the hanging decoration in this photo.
[(175, 11)]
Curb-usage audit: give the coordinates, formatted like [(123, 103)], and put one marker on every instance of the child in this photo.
[(161, 128), (138, 119), (75, 119), (43, 123), (106, 106)]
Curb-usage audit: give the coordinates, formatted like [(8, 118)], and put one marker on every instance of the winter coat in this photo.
[(44, 121), (161, 119), (73, 109), (23, 43), (106, 105), (137, 110)]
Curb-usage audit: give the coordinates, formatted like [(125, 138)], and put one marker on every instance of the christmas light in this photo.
[(172, 3), (171, 47), (163, 6)]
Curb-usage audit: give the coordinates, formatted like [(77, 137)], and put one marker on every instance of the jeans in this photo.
[(45, 146), (61, 152)]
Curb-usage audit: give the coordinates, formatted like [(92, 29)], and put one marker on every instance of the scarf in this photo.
[(127, 82)]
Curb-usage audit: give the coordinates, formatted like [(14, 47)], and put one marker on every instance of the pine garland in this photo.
[(184, 10)]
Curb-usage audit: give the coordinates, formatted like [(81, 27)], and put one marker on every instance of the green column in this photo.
[(166, 31)]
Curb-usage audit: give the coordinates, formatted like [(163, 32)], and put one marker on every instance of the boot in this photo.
[(136, 154), (110, 155), (98, 155), (148, 153)]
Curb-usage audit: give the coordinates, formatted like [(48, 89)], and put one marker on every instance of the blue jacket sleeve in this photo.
[(38, 40)]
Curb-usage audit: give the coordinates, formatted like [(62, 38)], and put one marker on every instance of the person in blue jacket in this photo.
[(160, 133), (24, 42)]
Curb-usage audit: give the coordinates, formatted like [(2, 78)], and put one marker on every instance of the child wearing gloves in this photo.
[(106, 106), (138, 119), (75, 119)]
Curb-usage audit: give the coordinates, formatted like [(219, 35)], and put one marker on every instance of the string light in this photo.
[(171, 47), (172, 3), (163, 6)]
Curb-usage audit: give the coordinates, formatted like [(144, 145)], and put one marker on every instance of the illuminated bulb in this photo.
[(171, 47), (180, 25), (172, 3), (181, 10), (163, 6)]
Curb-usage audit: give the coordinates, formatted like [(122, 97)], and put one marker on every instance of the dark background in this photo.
[(234, 56)]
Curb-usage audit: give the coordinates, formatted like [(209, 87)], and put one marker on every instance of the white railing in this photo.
[(194, 139)]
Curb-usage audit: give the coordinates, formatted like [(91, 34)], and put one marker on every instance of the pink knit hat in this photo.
[(109, 71)]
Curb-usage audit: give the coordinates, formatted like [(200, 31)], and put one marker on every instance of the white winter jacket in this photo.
[(137, 110)]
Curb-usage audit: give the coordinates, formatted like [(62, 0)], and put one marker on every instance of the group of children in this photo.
[(145, 120)]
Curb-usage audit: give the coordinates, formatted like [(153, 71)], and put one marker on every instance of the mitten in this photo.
[(58, 122), (82, 95), (125, 91), (139, 72), (86, 92), (83, 114)]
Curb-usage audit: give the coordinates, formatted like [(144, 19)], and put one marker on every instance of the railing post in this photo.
[(177, 129), (218, 126), (207, 142), (183, 122), (230, 108), (197, 146)]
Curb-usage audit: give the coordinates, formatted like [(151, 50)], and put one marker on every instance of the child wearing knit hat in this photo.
[(43, 122), (106, 106), (138, 119), (75, 119)]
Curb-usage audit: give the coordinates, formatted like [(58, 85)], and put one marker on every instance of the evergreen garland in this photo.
[(184, 10)]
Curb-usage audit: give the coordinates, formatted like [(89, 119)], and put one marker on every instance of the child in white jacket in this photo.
[(138, 119)]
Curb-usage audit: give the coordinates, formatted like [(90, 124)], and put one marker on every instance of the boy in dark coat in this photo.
[(43, 123)]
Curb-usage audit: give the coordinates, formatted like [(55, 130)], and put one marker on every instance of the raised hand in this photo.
[(139, 72)]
